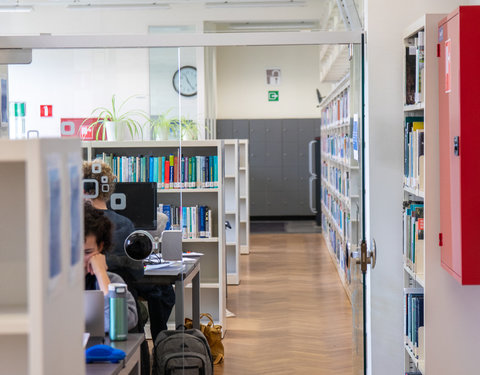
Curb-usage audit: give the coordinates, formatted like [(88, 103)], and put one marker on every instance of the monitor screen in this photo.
[(137, 201)]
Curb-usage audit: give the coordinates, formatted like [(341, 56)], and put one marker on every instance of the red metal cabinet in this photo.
[(459, 137)]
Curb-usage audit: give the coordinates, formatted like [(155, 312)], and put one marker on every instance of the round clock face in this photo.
[(185, 81)]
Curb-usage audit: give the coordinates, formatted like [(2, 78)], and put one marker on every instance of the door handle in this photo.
[(310, 193), (310, 157), (365, 256)]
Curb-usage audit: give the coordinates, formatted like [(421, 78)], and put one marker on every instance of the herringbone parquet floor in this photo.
[(292, 314)]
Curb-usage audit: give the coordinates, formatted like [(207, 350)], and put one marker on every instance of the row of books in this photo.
[(413, 318), (413, 236), (414, 74), (169, 172), (339, 214), (195, 221), (337, 146), (414, 153), (336, 112), (338, 247), (338, 179)]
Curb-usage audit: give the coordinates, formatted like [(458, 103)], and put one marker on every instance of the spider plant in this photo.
[(118, 120)]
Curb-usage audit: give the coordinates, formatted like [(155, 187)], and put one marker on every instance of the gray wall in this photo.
[(278, 160)]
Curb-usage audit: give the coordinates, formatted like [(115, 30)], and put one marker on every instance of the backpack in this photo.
[(183, 352)]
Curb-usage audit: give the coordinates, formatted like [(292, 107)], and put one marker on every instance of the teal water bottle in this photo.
[(117, 294)]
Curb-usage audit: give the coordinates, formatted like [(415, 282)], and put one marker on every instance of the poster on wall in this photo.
[(54, 210), (78, 127), (273, 76)]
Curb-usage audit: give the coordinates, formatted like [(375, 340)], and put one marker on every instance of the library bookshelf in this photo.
[(244, 197), (232, 214), (41, 257), (212, 263), (421, 208), (340, 179)]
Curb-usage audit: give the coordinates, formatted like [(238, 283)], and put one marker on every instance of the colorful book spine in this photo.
[(171, 171), (167, 174)]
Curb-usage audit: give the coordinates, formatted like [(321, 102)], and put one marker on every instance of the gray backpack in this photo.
[(182, 352)]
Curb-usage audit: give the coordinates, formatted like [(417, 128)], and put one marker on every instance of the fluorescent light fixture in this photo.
[(119, 6), (15, 9), (257, 4), (273, 26)]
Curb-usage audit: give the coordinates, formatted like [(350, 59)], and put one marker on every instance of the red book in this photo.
[(167, 175)]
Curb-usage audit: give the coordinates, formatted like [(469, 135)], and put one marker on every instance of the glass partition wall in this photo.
[(151, 114)]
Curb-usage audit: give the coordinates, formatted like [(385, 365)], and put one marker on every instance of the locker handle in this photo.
[(456, 145), (311, 154), (310, 195)]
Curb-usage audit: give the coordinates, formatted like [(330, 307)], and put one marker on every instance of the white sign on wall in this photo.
[(273, 76)]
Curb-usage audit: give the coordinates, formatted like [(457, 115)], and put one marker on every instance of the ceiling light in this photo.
[(252, 4), (15, 9), (119, 6)]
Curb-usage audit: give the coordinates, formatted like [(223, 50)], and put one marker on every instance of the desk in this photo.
[(180, 276), (129, 365)]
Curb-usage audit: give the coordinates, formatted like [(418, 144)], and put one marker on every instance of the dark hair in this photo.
[(96, 170), (97, 224)]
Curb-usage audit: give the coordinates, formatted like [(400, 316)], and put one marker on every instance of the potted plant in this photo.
[(115, 123), (161, 126), (189, 129)]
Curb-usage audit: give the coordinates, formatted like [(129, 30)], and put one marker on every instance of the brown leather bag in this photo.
[(213, 333)]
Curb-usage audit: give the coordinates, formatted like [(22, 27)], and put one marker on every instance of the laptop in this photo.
[(94, 316)]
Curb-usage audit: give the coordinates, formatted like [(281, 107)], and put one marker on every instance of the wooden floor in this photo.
[(292, 314)]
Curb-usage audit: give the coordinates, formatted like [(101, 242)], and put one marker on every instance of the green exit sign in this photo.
[(273, 96)]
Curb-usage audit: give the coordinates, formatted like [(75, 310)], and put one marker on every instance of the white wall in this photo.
[(242, 85), (77, 81), (385, 24)]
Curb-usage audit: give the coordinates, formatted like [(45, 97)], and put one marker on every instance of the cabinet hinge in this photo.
[(440, 239), (438, 49)]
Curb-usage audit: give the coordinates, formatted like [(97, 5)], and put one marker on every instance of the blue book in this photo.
[(207, 171), (215, 171), (184, 222), (150, 169), (163, 173), (182, 172), (155, 169), (201, 221), (167, 211)]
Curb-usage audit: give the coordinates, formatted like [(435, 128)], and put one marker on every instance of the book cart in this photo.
[(212, 263)]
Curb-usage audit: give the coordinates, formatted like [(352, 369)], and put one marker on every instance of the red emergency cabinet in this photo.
[(459, 137)]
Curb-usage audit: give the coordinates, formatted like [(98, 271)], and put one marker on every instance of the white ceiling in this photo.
[(333, 59)]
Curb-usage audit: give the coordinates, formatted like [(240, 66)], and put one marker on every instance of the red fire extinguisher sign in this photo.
[(46, 110)]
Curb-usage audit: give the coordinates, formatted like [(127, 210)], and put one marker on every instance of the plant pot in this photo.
[(116, 131), (161, 134)]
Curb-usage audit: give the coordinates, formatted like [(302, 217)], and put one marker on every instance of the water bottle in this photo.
[(117, 294)]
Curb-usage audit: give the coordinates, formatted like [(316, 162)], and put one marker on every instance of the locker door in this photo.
[(449, 135)]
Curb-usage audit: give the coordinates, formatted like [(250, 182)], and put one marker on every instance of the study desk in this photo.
[(180, 276), (130, 365)]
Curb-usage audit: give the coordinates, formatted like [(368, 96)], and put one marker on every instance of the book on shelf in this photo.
[(194, 221), (414, 70), (413, 319), (414, 154), (169, 172), (413, 236)]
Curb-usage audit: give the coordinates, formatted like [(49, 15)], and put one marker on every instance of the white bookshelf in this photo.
[(427, 107), (212, 263), (340, 179), (41, 299), (232, 212), (244, 202)]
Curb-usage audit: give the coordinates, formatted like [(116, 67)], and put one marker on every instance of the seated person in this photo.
[(160, 298), (98, 234)]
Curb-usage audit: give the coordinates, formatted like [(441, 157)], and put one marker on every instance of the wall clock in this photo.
[(185, 81)]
